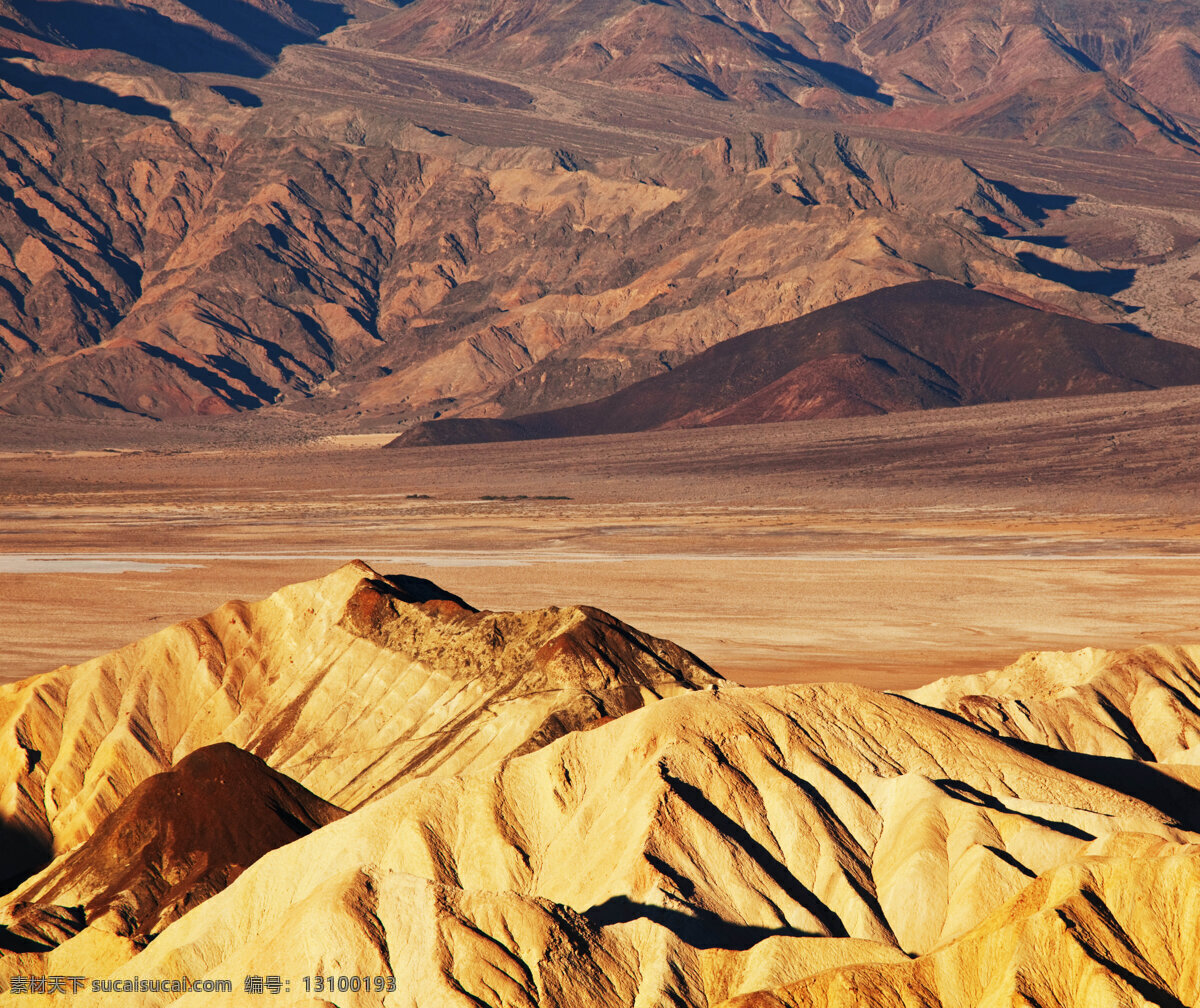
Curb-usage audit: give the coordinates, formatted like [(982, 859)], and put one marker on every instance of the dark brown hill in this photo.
[(916, 346), (180, 837)]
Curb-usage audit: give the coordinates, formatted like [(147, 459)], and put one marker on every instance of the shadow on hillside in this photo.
[(183, 48), (844, 78), (697, 82), (238, 95), (84, 92), (1036, 206), (1102, 281), (1142, 781), (701, 929), (256, 26), (24, 853)]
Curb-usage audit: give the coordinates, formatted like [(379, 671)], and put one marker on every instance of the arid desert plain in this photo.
[(887, 551)]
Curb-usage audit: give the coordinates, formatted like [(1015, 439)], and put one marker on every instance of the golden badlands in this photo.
[(364, 776)]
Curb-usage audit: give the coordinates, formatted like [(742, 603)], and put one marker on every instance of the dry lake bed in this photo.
[(887, 550)]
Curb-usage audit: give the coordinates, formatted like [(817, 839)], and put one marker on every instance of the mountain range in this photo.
[(1058, 71), (389, 214), (443, 221)]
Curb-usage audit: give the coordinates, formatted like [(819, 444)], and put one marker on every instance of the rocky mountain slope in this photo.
[(168, 273), (178, 838), (1129, 705), (222, 231), (801, 845), (915, 346), (349, 685), (1059, 72), (1096, 942)]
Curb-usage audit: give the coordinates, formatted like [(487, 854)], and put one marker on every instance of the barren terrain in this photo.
[(721, 709), (886, 550), (553, 807), (394, 214)]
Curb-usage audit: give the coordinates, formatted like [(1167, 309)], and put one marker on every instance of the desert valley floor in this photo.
[(887, 551)]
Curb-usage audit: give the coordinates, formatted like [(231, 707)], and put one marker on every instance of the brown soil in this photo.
[(888, 550)]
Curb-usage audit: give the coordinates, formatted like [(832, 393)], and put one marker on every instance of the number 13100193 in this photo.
[(346, 984)]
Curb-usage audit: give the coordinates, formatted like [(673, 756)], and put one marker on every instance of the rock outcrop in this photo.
[(349, 685), (181, 836)]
